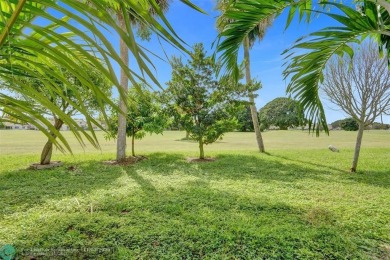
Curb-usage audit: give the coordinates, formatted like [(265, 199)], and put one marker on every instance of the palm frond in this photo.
[(70, 30), (305, 71), (245, 16)]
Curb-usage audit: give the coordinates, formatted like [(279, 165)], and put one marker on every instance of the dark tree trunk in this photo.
[(357, 147), (252, 104), (124, 54), (201, 150), (48, 148), (132, 144)]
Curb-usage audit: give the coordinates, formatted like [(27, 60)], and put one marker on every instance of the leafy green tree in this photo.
[(145, 115), (349, 124), (205, 104), (244, 118), (307, 59), (281, 112), (257, 32), (66, 102)]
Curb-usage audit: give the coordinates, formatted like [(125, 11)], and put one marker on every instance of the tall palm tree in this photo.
[(257, 33), (26, 46), (305, 70), (122, 124), (122, 13)]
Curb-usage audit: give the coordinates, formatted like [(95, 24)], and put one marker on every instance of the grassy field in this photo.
[(297, 201)]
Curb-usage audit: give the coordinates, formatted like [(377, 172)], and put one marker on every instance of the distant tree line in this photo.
[(350, 124)]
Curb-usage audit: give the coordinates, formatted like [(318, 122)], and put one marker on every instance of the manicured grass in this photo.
[(298, 201)]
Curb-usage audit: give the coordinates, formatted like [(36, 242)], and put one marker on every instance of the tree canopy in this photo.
[(204, 102), (307, 59), (281, 112), (145, 115)]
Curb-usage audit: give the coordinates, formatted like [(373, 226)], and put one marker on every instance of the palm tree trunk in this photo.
[(357, 146), (48, 148), (124, 53), (252, 104)]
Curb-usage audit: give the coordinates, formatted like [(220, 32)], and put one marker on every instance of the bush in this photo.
[(349, 124)]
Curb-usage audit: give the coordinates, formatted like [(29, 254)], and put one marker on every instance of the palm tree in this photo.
[(122, 124), (32, 47), (122, 13), (257, 32), (306, 70)]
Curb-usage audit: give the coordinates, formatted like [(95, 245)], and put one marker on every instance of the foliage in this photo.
[(337, 123), (73, 94), (144, 115), (349, 124), (377, 126), (256, 32), (297, 202), (25, 45), (67, 98), (281, 112), (343, 122), (307, 59), (244, 119), (205, 104)]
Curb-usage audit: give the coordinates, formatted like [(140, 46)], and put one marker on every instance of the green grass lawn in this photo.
[(297, 201)]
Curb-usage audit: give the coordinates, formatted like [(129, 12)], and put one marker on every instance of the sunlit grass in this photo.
[(298, 201)]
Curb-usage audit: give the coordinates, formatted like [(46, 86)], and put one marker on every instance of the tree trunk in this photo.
[(48, 148), (124, 53), (357, 147), (252, 104), (132, 144), (187, 135), (201, 150)]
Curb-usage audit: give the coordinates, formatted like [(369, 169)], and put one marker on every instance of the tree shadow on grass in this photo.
[(374, 178), (284, 169), (325, 167), (233, 167), (193, 222), (22, 189), (144, 184), (190, 220)]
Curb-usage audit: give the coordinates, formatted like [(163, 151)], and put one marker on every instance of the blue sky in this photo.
[(266, 59)]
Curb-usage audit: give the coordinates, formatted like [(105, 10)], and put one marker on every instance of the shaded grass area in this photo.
[(245, 205)]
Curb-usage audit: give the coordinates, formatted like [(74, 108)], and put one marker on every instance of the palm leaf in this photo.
[(305, 71), (26, 45)]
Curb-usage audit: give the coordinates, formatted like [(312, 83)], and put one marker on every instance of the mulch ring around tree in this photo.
[(38, 166), (127, 161), (198, 160)]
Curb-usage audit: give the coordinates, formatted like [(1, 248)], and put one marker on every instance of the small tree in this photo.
[(144, 116), (360, 86), (281, 112), (206, 105)]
